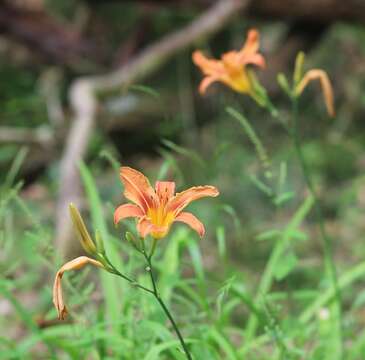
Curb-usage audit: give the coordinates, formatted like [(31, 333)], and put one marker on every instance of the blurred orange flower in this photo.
[(232, 68), (74, 264), (158, 208), (321, 75)]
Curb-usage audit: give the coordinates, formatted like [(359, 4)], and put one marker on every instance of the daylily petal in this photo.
[(192, 221), (158, 209), (251, 44), (146, 227), (206, 82), (231, 69), (165, 190), (240, 83), (137, 188), (126, 211), (230, 61), (207, 66), (322, 76), (255, 59), (74, 264), (183, 199), (249, 52)]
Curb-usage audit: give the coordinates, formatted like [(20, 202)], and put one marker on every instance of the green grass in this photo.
[(254, 288), (222, 315)]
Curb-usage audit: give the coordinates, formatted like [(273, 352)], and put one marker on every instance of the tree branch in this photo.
[(39, 31), (84, 102), (42, 136)]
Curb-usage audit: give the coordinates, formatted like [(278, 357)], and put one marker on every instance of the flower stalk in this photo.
[(156, 210), (157, 296), (330, 266)]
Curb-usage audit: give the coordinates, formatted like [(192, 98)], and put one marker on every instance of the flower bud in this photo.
[(298, 69), (81, 231), (99, 242), (283, 83), (131, 239)]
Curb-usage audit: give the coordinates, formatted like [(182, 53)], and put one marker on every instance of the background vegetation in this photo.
[(230, 298)]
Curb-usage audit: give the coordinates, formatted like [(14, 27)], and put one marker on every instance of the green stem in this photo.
[(268, 275), (330, 266), (345, 280), (164, 307), (114, 271), (154, 292)]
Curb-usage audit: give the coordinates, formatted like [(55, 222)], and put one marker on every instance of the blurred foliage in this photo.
[(211, 285)]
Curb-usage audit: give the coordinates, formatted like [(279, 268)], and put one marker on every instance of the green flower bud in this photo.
[(283, 83), (99, 242), (298, 70), (81, 231)]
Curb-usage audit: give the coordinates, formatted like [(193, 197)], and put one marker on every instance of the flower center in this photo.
[(159, 217)]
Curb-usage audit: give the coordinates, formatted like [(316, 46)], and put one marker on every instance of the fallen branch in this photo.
[(316, 11), (84, 102), (41, 32), (42, 136)]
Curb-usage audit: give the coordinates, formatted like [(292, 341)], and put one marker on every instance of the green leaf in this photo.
[(226, 346), (111, 285), (272, 234), (250, 132), (221, 240), (261, 185), (285, 266), (146, 90), (283, 198), (193, 155)]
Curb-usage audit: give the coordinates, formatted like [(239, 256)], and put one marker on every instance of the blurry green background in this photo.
[(163, 127)]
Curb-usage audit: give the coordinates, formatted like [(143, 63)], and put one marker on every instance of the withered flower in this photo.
[(74, 264), (321, 75)]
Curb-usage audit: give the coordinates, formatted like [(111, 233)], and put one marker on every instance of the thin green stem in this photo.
[(330, 266), (164, 307), (114, 271), (268, 275)]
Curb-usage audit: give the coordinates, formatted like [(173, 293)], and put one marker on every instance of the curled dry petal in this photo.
[(74, 264), (137, 188), (318, 74), (190, 220)]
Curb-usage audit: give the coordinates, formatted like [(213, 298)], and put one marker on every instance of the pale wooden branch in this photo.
[(322, 11), (42, 33), (84, 102), (42, 136), (50, 90)]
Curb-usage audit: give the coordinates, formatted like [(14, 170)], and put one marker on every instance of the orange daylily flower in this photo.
[(232, 68), (74, 264), (158, 208), (322, 76)]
